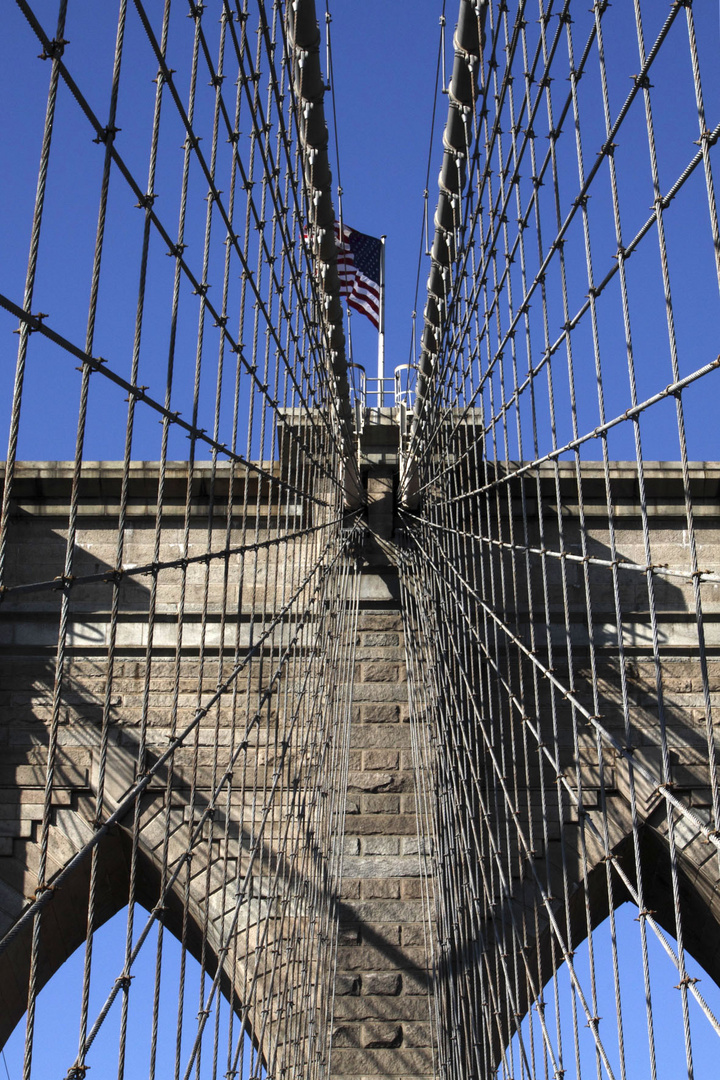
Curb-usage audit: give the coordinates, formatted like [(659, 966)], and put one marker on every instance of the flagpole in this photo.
[(381, 328)]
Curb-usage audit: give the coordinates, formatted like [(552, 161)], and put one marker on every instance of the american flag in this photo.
[(358, 265)]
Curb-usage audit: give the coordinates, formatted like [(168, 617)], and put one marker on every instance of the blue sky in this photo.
[(384, 97), (384, 79), (385, 57)]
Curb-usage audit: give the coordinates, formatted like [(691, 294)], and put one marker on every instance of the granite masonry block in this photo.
[(378, 1034), (346, 984), (413, 934), (345, 1035), (379, 639), (381, 1063), (349, 890), (380, 804), (376, 866), (348, 935), (380, 712), (375, 782), (394, 653), (393, 1006), (379, 889), (411, 888), (378, 824), (379, 620), (380, 759), (379, 736), (378, 934), (412, 846), (381, 983), (383, 957), (418, 1034), (385, 693), (379, 671), (380, 845)]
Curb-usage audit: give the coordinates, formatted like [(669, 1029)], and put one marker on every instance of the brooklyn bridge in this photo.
[(356, 715)]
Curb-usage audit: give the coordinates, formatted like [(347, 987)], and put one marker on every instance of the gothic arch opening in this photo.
[(634, 997), (639, 1021), (186, 974)]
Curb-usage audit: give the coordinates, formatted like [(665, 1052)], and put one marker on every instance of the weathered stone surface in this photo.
[(381, 983), (378, 1035), (381, 1018)]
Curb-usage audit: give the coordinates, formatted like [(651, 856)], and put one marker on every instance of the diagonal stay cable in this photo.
[(122, 573), (637, 768), (145, 201), (663, 569), (142, 784), (662, 788), (98, 364), (214, 193), (208, 814), (671, 390)]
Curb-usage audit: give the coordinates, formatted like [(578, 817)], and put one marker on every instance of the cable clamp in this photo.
[(668, 785), (106, 134), (42, 888), (687, 980), (38, 319), (709, 137), (64, 581), (164, 76), (54, 49)]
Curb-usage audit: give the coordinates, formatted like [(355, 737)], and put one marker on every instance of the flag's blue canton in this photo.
[(366, 253), (359, 269)]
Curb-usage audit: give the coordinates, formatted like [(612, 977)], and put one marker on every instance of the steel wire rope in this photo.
[(201, 287), (99, 365), (424, 228), (131, 800), (639, 769), (107, 704), (472, 825), (60, 673), (38, 210), (143, 200), (606, 151), (141, 784)]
